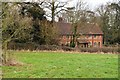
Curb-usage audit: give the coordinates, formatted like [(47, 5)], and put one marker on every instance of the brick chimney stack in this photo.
[(60, 19)]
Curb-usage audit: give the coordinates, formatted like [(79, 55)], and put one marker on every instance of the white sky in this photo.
[(92, 3)]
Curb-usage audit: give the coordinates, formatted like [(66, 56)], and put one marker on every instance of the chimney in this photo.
[(60, 19)]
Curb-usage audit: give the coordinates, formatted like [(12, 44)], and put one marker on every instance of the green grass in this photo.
[(63, 65)]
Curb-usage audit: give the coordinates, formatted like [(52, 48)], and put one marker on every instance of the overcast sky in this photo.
[(92, 3)]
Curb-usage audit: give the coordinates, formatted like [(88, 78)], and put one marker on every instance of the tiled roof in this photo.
[(89, 29), (82, 41), (66, 28)]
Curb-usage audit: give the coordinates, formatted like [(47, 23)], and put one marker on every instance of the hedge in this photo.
[(33, 46)]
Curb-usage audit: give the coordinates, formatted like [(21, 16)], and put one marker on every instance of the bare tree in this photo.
[(13, 26), (0, 34), (75, 16), (109, 21), (54, 7)]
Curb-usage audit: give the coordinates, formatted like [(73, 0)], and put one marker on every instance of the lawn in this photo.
[(63, 65)]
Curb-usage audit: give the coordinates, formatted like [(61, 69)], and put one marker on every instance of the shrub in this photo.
[(49, 47), (33, 46), (104, 50), (72, 44), (66, 48), (118, 50)]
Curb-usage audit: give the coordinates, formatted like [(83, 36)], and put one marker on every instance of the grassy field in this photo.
[(63, 65)]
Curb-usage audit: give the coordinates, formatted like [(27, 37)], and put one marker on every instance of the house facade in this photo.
[(89, 35)]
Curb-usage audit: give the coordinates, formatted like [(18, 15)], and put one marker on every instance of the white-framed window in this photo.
[(90, 43), (90, 36), (95, 44), (95, 36)]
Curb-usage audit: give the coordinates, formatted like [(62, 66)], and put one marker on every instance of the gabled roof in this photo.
[(89, 29), (66, 28)]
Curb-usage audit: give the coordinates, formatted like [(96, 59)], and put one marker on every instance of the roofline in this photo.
[(65, 34), (83, 34), (95, 33)]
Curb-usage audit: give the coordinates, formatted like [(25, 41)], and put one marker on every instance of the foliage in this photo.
[(37, 13), (114, 50), (110, 17), (72, 43), (26, 22), (32, 46), (14, 26), (43, 32), (118, 49), (49, 32), (62, 65)]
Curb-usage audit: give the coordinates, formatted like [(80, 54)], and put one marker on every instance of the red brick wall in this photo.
[(98, 39), (64, 40)]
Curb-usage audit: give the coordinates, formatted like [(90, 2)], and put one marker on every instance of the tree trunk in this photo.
[(5, 53)]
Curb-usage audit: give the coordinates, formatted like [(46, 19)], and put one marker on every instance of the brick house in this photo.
[(89, 35)]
